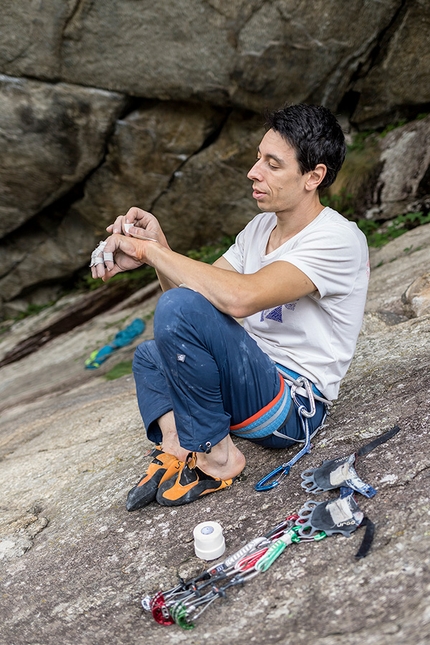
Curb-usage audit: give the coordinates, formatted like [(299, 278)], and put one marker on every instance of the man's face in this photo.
[(277, 182)]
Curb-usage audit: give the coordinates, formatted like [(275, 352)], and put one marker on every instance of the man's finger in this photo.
[(117, 226), (142, 234), (113, 244)]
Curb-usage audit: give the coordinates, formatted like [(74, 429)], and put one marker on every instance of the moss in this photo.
[(118, 370), (379, 235)]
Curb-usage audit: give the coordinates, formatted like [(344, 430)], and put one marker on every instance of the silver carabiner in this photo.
[(302, 381)]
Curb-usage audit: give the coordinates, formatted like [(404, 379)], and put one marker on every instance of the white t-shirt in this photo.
[(315, 335)]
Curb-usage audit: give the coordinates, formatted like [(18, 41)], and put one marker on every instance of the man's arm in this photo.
[(233, 293), (222, 263)]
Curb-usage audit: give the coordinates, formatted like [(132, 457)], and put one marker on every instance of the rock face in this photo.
[(401, 69), (158, 105), (244, 53), (389, 174), (75, 565), (149, 150), (51, 137)]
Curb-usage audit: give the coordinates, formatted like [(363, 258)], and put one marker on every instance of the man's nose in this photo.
[(255, 172)]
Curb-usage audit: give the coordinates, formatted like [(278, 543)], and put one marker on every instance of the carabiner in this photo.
[(276, 475)]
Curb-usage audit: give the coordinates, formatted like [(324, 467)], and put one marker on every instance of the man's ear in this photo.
[(316, 176)]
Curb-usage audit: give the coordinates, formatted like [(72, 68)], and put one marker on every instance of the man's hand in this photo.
[(117, 254), (140, 224)]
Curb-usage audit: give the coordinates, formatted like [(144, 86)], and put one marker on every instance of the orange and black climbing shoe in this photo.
[(162, 467), (190, 484)]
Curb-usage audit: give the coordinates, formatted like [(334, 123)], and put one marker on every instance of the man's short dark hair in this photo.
[(315, 135)]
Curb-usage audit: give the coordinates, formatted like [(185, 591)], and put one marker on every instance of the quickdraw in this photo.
[(184, 603)]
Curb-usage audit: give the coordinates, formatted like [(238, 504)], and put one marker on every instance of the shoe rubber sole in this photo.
[(161, 469)]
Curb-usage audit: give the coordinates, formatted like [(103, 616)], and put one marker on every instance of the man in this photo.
[(297, 274)]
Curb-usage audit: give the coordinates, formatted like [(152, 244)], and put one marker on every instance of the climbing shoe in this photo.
[(162, 467), (190, 484)]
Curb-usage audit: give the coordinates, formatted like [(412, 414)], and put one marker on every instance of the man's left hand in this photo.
[(117, 254)]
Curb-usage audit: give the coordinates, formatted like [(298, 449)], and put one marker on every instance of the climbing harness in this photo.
[(300, 386)]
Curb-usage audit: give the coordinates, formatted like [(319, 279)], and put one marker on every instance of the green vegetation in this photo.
[(341, 202), (209, 254), (141, 277), (31, 310), (118, 370), (359, 141), (360, 138), (378, 235), (392, 126)]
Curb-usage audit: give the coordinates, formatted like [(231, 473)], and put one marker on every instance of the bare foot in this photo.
[(224, 461)]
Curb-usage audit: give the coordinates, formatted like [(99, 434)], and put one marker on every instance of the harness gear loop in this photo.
[(275, 477), (309, 393)]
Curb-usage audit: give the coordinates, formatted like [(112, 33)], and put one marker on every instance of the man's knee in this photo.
[(175, 308), (144, 355)]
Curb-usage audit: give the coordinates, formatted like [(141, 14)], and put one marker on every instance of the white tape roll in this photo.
[(209, 542)]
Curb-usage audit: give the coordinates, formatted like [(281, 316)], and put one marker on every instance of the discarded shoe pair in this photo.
[(171, 482)]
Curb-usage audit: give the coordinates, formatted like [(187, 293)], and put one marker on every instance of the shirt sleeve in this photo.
[(331, 261), (235, 254)]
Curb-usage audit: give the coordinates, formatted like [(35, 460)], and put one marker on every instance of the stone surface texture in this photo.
[(74, 564), (105, 105), (405, 155), (51, 136), (401, 70), (243, 53)]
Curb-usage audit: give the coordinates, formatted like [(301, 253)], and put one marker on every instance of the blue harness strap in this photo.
[(267, 420), (276, 414), (300, 386)]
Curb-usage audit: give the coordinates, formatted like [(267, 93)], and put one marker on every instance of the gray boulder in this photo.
[(46, 252), (403, 185), (388, 175), (91, 59), (51, 137), (247, 54), (147, 150), (410, 254), (211, 196), (397, 84)]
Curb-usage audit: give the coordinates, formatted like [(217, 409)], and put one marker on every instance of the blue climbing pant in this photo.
[(205, 367)]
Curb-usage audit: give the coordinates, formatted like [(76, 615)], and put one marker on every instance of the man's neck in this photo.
[(288, 224)]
